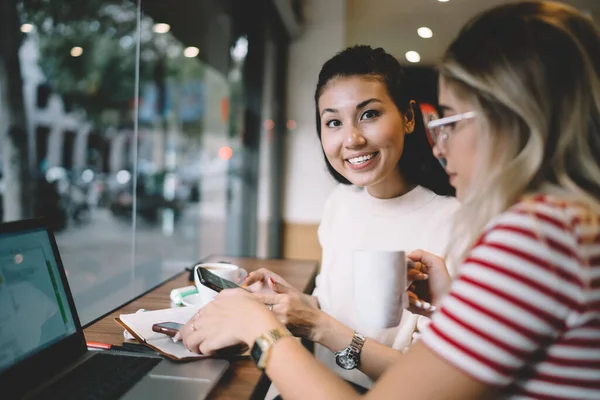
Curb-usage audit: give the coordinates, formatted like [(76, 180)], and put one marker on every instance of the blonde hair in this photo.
[(532, 72)]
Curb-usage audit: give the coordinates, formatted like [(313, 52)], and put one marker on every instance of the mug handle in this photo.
[(242, 275)]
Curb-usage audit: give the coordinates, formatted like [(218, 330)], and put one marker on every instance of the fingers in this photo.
[(281, 312), (269, 298), (192, 337), (260, 275), (410, 264), (428, 260), (252, 287), (417, 255), (415, 273), (231, 292), (420, 260), (412, 297), (278, 287), (422, 305), (263, 275)]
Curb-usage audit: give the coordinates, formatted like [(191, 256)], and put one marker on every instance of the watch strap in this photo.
[(262, 345), (358, 341), (352, 352)]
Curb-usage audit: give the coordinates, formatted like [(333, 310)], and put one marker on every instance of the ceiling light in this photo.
[(191, 52), (26, 28), (76, 51), (425, 32), (161, 28), (412, 56), (443, 1)]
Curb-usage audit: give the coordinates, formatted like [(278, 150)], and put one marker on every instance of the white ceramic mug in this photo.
[(379, 287), (230, 272)]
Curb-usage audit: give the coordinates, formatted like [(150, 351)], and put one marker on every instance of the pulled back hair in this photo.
[(417, 163), (531, 71)]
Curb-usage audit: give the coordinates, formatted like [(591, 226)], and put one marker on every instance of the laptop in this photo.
[(43, 353)]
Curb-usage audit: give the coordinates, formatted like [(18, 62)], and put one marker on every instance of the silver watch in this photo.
[(349, 358)]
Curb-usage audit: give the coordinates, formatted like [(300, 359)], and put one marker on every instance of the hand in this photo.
[(234, 317), (298, 311), (258, 281), (267, 282), (433, 269), (417, 292)]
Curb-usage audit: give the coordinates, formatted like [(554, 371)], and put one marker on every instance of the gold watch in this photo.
[(262, 346)]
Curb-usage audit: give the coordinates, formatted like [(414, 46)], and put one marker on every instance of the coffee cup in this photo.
[(379, 287)]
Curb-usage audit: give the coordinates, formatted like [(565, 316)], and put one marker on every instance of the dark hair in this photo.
[(417, 163)]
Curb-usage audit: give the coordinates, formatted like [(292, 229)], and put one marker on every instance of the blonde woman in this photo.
[(520, 134)]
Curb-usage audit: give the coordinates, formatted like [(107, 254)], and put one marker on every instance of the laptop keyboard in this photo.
[(102, 377)]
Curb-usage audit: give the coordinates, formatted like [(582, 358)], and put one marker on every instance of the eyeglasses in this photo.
[(441, 128)]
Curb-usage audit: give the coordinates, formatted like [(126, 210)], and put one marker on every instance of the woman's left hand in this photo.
[(232, 318), (418, 290)]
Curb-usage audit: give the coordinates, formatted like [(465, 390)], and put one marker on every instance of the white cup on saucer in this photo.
[(227, 271), (379, 286)]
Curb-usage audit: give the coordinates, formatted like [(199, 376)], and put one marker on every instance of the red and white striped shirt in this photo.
[(524, 314)]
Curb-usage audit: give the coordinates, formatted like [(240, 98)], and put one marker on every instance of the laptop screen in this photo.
[(34, 308)]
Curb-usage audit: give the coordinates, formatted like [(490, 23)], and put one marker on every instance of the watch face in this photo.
[(345, 360), (256, 352)]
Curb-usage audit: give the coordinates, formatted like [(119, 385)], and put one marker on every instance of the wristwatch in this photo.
[(349, 358), (262, 346)]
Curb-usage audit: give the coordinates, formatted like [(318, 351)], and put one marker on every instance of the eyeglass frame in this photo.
[(440, 122)]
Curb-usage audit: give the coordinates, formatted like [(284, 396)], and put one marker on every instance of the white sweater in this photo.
[(354, 220)]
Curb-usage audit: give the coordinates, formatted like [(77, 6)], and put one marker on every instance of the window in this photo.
[(134, 202)]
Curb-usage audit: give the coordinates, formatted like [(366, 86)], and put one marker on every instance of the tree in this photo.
[(99, 79), (102, 77)]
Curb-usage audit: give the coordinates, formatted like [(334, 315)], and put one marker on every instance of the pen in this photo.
[(99, 346), (127, 346)]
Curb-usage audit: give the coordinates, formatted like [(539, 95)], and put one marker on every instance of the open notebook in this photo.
[(140, 327)]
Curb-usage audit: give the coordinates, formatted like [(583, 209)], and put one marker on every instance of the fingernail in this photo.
[(424, 276), (418, 303), (177, 337), (428, 307), (271, 280)]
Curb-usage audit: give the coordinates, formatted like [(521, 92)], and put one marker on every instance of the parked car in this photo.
[(150, 200)]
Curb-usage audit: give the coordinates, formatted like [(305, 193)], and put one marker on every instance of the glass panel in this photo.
[(77, 64), (272, 141), (133, 201), (190, 149)]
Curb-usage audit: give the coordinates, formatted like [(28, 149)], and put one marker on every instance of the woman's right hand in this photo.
[(258, 281), (298, 311), (433, 269)]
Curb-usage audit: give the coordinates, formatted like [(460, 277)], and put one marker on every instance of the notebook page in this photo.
[(177, 350), (141, 323)]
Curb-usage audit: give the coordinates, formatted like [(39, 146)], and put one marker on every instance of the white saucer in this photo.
[(192, 300)]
